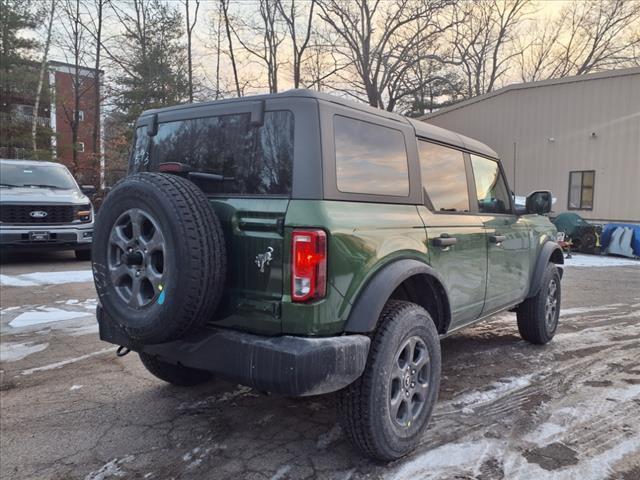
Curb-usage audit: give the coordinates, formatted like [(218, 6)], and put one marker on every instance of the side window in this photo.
[(493, 196), (370, 158), (140, 153), (443, 177), (581, 190)]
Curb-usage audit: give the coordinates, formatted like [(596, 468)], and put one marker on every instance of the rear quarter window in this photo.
[(370, 158)]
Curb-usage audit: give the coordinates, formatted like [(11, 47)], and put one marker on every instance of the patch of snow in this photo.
[(46, 278), (62, 363), (579, 310), (545, 433), (75, 387), (109, 469), (12, 352), (8, 309), (326, 439), (49, 315), (495, 391), (71, 301), (578, 260), (450, 461), (224, 397), (281, 472), (83, 330)]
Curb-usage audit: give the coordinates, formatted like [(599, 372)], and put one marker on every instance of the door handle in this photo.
[(444, 240), (497, 239)]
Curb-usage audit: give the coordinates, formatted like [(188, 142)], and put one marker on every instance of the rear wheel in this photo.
[(83, 254), (538, 316), (385, 412), (174, 374)]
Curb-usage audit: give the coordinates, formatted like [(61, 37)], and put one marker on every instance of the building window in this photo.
[(581, 190), (81, 115), (80, 146)]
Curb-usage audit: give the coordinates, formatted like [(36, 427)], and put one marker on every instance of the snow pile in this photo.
[(578, 260), (46, 278)]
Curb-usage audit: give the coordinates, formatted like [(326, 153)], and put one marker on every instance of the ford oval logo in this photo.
[(38, 214)]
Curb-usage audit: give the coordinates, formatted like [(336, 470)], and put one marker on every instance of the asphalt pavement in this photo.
[(71, 409)]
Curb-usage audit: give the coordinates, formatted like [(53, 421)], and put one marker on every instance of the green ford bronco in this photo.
[(303, 244)]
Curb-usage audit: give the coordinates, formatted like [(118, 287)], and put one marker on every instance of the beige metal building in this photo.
[(578, 137)]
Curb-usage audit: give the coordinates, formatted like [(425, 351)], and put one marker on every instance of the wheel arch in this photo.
[(550, 252), (405, 279)]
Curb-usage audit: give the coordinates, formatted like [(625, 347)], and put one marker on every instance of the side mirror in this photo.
[(539, 202), (88, 189)]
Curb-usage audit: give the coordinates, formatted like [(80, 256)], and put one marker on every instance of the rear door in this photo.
[(242, 158), (508, 236), (457, 242)]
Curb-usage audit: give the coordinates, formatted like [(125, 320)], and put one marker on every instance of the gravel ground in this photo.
[(71, 409)]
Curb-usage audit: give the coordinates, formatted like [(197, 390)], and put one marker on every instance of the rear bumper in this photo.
[(76, 237), (286, 365)]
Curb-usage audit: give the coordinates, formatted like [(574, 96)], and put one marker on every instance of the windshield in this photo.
[(47, 175)]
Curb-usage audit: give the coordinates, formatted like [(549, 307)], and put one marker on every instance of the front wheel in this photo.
[(538, 316), (385, 412)]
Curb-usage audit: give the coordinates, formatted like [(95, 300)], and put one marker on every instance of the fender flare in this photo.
[(366, 310), (549, 249)]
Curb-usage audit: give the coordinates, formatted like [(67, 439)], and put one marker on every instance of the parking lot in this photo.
[(72, 409)]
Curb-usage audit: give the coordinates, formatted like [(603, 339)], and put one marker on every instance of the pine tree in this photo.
[(18, 77), (153, 59)]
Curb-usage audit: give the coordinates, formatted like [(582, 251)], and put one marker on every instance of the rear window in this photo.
[(370, 158), (244, 159)]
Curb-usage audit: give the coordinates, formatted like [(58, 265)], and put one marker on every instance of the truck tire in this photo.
[(174, 374), (83, 255), (386, 410), (538, 316), (159, 259)]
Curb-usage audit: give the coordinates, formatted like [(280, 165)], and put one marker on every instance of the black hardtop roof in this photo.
[(422, 129)]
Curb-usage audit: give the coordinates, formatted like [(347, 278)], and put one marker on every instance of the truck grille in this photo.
[(17, 214)]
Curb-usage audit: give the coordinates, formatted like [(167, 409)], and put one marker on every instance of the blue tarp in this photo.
[(605, 238)]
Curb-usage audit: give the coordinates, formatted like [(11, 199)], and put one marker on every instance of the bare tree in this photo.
[(291, 15), (262, 40), (484, 43), (74, 44), (43, 67), (190, 26), (224, 4), (377, 42), (586, 37)]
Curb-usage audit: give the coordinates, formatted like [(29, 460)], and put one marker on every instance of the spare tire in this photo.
[(159, 260)]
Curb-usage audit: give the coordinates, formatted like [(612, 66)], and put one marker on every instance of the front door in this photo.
[(508, 237), (457, 239)]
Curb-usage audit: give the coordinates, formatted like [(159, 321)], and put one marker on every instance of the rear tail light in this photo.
[(308, 265)]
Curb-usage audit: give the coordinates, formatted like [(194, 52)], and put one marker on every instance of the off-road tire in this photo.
[(83, 255), (363, 407), (174, 374), (531, 314), (195, 263)]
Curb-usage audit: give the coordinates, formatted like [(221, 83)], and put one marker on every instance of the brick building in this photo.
[(89, 166), (54, 120)]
